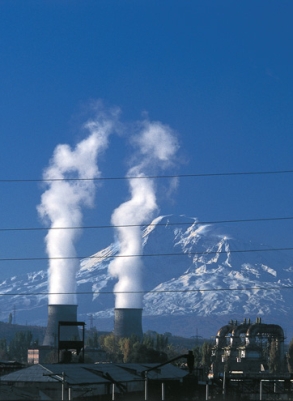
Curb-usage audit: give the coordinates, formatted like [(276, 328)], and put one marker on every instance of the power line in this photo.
[(256, 288), (252, 220), (144, 255), (150, 176)]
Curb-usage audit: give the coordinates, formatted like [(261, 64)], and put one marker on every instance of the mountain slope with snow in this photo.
[(191, 272)]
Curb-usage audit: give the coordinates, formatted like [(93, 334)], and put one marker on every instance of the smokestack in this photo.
[(128, 322), (70, 181), (57, 313), (156, 146)]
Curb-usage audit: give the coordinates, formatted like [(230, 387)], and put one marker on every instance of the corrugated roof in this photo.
[(115, 371), (167, 372), (31, 374), (76, 373), (82, 374)]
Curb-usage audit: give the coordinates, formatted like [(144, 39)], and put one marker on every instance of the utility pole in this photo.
[(61, 378), (91, 321), (14, 314), (196, 337)]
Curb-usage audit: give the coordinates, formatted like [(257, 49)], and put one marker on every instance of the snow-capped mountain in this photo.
[(195, 277)]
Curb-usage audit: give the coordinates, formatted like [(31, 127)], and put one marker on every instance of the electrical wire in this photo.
[(249, 173), (150, 176), (144, 255), (252, 220), (256, 288)]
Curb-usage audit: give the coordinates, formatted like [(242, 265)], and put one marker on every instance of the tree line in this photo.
[(16, 349), (153, 348)]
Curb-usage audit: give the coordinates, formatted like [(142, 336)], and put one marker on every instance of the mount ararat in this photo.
[(195, 280)]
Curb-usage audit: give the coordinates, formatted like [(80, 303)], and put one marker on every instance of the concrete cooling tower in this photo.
[(57, 313), (128, 322)]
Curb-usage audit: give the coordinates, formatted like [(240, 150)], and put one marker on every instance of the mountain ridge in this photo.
[(197, 272)]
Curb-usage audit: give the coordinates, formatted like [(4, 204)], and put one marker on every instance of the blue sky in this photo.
[(218, 73)]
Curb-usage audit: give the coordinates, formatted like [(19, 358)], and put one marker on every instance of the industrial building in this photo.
[(245, 347), (100, 381)]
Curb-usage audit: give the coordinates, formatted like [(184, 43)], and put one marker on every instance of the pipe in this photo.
[(146, 385), (207, 391), (274, 330), (260, 390), (221, 335), (63, 387), (235, 337), (261, 328), (113, 391)]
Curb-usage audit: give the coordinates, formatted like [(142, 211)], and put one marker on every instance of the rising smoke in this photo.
[(156, 146), (62, 202)]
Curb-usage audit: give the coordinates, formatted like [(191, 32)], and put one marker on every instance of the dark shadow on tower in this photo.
[(57, 313), (128, 322)]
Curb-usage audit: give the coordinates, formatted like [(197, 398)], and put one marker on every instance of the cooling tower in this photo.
[(57, 313), (128, 322)]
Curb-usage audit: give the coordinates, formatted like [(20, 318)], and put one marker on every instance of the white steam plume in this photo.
[(61, 205), (157, 146)]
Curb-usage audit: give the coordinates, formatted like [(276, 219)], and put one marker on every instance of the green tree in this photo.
[(125, 348), (110, 344), (148, 341), (171, 351), (197, 352), (290, 357), (19, 345), (93, 340), (140, 353), (161, 342), (132, 349), (3, 349), (206, 355), (274, 357)]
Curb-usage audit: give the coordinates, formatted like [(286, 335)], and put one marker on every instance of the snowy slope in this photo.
[(190, 270)]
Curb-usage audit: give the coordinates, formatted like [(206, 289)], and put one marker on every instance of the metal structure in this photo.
[(71, 343), (246, 346), (128, 322), (57, 313), (258, 386), (190, 363)]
